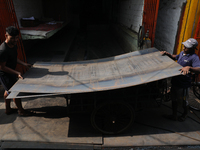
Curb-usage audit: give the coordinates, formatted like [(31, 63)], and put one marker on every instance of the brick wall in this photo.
[(167, 24), (131, 13), (28, 8)]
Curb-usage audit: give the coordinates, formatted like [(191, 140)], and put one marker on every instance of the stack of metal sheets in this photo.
[(131, 69)]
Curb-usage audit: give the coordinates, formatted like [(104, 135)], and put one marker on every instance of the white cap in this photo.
[(190, 43)]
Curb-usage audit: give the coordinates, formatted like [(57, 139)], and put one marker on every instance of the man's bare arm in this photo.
[(23, 63), (9, 70), (168, 54), (187, 69)]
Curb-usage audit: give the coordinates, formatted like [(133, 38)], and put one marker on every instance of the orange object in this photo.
[(179, 30), (189, 23), (197, 36), (150, 14), (8, 18)]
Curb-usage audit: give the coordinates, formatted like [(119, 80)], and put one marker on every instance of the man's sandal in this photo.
[(181, 118)]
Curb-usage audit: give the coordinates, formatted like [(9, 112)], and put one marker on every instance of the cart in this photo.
[(114, 111), (113, 89)]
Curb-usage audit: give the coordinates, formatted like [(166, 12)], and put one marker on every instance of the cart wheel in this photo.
[(196, 90), (194, 103), (112, 117)]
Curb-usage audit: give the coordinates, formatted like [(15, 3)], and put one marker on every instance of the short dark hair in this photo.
[(12, 31)]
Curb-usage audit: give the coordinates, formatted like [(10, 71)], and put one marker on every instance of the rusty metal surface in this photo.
[(97, 75)]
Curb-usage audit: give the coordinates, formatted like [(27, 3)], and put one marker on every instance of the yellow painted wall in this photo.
[(190, 20)]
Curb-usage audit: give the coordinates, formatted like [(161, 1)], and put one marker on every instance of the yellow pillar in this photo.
[(190, 20)]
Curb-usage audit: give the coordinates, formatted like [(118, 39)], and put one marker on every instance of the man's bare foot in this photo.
[(26, 113)]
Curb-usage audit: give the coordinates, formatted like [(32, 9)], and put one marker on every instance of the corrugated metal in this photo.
[(97, 75)]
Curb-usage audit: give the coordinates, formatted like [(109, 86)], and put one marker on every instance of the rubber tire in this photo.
[(112, 114), (195, 103), (196, 91)]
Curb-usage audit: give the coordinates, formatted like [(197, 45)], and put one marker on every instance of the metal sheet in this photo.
[(15, 94), (97, 75)]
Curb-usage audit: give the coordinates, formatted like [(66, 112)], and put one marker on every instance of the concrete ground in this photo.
[(54, 127)]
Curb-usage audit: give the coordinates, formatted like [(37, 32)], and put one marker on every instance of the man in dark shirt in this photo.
[(181, 84), (8, 74)]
